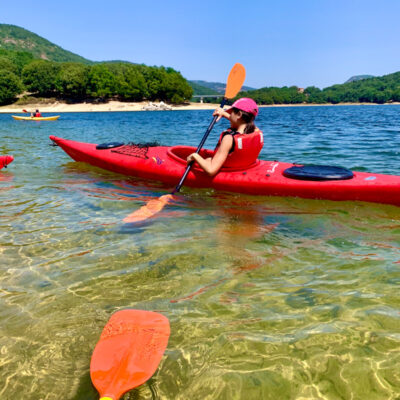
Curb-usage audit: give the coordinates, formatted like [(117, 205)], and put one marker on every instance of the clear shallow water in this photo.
[(268, 298)]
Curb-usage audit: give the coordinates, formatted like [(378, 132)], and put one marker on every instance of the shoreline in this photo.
[(115, 106), (111, 106)]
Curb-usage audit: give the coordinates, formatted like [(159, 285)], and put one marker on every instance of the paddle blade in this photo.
[(235, 81), (129, 351), (148, 210)]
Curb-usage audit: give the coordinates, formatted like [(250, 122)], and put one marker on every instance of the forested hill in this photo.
[(383, 89), (19, 39), (31, 64)]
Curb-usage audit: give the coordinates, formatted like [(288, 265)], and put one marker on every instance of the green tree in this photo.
[(396, 94), (153, 77), (175, 88), (72, 80), (366, 95), (10, 86), (263, 98), (130, 82), (381, 96), (18, 58), (314, 95), (40, 76), (134, 87), (7, 64), (312, 90), (166, 84), (101, 82), (349, 96)]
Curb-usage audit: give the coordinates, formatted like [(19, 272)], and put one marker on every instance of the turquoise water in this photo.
[(268, 298)]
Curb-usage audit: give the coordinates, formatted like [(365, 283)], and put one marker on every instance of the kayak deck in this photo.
[(167, 164)]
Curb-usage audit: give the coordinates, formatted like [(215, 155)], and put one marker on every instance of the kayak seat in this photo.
[(317, 173), (110, 145)]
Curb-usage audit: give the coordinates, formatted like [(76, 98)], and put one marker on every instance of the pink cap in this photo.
[(245, 104)]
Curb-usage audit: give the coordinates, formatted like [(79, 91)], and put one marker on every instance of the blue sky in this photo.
[(286, 42)]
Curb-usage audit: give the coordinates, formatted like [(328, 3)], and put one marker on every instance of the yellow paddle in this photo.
[(233, 85)]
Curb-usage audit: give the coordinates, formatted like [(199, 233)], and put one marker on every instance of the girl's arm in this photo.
[(212, 165)]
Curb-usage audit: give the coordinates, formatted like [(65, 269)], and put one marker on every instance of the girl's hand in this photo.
[(220, 112), (191, 157)]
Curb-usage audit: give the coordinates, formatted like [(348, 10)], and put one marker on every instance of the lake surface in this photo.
[(267, 297)]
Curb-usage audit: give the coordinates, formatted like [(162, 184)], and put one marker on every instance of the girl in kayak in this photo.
[(239, 146)]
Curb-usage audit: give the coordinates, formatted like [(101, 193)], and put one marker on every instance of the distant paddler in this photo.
[(35, 116)]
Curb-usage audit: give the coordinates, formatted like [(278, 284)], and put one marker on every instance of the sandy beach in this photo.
[(61, 107)]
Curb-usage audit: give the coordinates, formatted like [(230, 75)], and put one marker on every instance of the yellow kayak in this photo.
[(19, 118)]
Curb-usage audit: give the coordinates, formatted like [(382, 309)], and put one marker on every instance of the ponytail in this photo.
[(249, 120)]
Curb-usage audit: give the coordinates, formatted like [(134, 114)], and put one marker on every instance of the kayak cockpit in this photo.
[(181, 153)]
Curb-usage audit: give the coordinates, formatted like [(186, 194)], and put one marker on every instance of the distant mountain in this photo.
[(114, 62), (19, 39), (199, 89), (215, 87), (358, 78)]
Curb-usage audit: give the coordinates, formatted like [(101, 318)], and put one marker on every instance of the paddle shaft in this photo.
[(179, 185)]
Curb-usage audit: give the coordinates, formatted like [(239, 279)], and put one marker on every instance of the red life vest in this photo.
[(37, 115), (246, 148)]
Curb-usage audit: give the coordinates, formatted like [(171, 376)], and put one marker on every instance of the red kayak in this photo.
[(268, 178), (5, 160)]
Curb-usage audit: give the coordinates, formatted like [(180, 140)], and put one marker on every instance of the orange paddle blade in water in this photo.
[(148, 210), (129, 351)]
